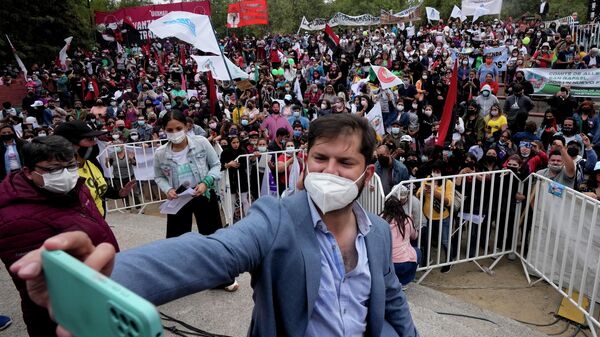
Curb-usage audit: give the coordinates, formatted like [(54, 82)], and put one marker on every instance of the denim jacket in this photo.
[(203, 159)]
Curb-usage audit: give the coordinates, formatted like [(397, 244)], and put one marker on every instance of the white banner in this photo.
[(470, 6), (340, 19), (144, 162), (547, 82), (500, 55)]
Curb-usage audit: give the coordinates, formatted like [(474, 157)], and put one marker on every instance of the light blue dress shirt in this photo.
[(342, 304)]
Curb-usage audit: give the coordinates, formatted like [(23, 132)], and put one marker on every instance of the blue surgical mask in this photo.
[(296, 113), (141, 123), (395, 130), (297, 133), (244, 122)]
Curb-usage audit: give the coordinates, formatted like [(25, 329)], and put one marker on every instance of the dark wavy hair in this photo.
[(392, 210)]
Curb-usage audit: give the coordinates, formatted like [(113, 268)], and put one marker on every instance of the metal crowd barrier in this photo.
[(560, 243), (478, 227), (586, 35), (138, 164)]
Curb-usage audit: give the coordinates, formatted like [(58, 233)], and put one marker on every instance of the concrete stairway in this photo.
[(229, 313)]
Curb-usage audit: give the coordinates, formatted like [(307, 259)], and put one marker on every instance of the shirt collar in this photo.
[(363, 221)]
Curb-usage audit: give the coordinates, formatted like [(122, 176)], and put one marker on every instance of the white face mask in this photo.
[(262, 149), (115, 137), (176, 137), (290, 149), (61, 182), (134, 137), (436, 174), (330, 192), (427, 113)]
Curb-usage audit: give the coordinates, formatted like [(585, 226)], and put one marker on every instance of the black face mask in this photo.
[(490, 159), (6, 138), (121, 128), (384, 161), (84, 152), (573, 151), (567, 131)]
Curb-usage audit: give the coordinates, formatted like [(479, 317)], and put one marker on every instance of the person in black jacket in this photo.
[(11, 158)]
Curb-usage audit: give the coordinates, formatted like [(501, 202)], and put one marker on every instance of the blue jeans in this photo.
[(446, 230), (406, 271)]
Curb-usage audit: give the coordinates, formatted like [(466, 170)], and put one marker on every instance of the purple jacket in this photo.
[(28, 216)]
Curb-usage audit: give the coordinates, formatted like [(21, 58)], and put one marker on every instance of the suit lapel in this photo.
[(308, 244), (374, 241)]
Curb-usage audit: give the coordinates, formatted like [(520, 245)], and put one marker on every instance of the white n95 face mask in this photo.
[(330, 192), (60, 182)]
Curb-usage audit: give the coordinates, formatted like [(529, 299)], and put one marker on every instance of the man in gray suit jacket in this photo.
[(320, 264)]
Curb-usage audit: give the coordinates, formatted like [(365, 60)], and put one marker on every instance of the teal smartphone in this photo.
[(89, 304)]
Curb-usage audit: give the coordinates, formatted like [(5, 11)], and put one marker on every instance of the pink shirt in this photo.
[(274, 122), (402, 251)]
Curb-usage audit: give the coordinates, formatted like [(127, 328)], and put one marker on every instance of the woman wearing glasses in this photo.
[(45, 198)]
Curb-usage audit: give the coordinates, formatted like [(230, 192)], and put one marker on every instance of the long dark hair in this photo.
[(393, 210)]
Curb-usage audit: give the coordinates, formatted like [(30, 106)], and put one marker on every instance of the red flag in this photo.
[(182, 55), (333, 41), (247, 12), (161, 68), (212, 93), (183, 85), (447, 115)]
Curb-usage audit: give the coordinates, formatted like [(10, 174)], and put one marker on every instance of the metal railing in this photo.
[(475, 228), (560, 243), (137, 163), (586, 35)]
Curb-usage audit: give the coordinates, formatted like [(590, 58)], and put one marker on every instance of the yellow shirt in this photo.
[(236, 115), (448, 194), (95, 182), (495, 125)]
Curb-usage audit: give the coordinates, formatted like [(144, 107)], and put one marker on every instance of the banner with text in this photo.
[(547, 82), (340, 19), (141, 16), (500, 55)]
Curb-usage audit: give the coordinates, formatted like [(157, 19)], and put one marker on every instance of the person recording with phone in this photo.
[(45, 198)]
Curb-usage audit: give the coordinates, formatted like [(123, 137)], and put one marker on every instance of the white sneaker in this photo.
[(232, 287)]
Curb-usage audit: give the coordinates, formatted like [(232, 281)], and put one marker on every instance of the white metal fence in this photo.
[(474, 225), (587, 35), (560, 243)]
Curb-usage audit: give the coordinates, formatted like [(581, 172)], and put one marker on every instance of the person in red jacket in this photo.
[(45, 198)]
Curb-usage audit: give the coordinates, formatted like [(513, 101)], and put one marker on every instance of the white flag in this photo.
[(216, 65), (385, 77), (457, 13), (375, 118), (432, 14), (19, 62), (479, 12), (194, 29), (62, 55)]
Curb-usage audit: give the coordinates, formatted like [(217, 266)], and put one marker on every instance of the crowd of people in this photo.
[(141, 93)]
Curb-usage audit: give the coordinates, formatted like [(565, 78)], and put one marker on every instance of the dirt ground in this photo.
[(506, 292)]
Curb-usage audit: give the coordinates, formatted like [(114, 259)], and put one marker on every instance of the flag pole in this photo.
[(237, 101)]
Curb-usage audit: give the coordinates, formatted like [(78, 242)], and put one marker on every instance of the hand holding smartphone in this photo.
[(89, 304)]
